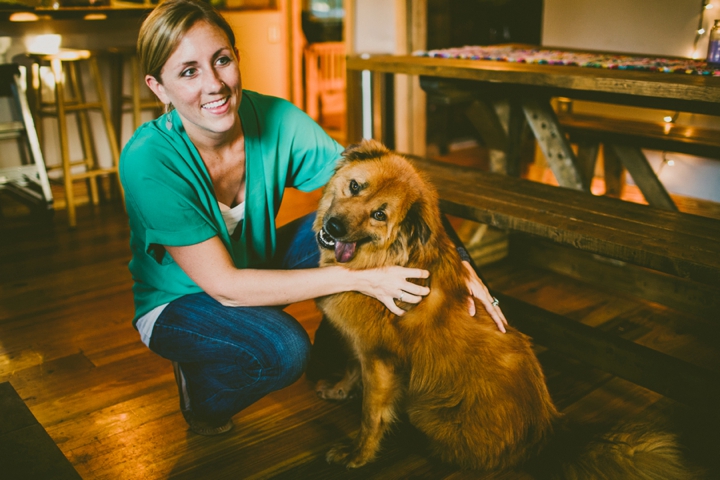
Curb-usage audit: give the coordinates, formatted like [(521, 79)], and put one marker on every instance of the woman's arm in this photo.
[(475, 285), (210, 266)]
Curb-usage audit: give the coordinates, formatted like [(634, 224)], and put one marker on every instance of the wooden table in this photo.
[(528, 89)]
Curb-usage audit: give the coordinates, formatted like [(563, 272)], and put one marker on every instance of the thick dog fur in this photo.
[(477, 394)]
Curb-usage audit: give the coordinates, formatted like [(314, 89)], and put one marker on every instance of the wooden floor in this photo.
[(68, 348)]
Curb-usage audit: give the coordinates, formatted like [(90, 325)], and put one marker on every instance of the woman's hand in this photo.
[(390, 283), (478, 290)]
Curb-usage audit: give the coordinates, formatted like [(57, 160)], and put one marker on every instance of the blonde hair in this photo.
[(163, 29)]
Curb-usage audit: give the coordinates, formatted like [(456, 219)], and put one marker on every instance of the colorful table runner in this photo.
[(579, 59)]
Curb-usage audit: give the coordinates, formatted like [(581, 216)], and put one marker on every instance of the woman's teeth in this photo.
[(219, 103)]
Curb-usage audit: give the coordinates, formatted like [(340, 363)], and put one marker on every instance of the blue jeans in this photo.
[(233, 356)]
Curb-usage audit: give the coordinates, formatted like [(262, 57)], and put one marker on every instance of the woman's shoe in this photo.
[(196, 425)]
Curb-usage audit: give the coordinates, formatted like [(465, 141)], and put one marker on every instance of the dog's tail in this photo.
[(628, 452)]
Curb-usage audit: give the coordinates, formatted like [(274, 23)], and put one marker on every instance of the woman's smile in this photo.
[(216, 104)]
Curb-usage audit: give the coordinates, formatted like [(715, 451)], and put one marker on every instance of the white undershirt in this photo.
[(145, 324)]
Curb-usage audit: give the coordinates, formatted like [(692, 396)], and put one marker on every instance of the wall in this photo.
[(375, 26), (261, 38), (657, 27)]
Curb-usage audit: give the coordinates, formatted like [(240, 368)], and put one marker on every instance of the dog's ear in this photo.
[(365, 150), (414, 226)]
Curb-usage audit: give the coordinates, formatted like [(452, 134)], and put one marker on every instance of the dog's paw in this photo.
[(339, 453), (331, 391), (345, 454)]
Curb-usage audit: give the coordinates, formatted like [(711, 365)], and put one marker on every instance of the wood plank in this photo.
[(650, 221)]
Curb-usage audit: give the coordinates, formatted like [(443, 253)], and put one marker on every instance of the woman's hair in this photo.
[(163, 29)]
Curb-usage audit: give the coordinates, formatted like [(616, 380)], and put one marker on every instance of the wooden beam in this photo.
[(613, 173), (587, 158), (560, 157), (353, 107), (486, 121), (645, 178)]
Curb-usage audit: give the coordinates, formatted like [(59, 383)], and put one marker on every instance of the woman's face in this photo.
[(202, 80)]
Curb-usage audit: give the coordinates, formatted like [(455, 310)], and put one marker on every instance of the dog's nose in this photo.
[(335, 227)]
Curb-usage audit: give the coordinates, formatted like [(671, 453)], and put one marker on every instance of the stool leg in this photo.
[(89, 157), (36, 89), (137, 119), (117, 72), (64, 146), (112, 140)]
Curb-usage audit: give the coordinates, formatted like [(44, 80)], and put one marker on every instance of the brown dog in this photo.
[(477, 394)]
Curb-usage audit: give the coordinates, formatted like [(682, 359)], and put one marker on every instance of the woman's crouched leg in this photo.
[(229, 357)]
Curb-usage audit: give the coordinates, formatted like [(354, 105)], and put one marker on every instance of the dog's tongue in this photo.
[(344, 251)]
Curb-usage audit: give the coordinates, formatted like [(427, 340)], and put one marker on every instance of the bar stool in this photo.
[(28, 181), (70, 98), (134, 102)]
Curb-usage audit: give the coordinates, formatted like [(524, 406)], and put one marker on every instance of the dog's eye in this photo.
[(354, 187), (379, 215)]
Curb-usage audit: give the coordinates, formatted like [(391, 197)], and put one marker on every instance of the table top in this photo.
[(697, 93)]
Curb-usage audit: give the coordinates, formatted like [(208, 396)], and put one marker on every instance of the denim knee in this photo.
[(292, 353)]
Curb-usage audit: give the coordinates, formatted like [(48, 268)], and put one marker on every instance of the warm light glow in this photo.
[(709, 6), (95, 16), (671, 163), (701, 31), (47, 44), (668, 119), (23, 17)]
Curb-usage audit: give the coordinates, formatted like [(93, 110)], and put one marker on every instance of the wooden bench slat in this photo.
[(511, 203), (591, 210), (642, 215)]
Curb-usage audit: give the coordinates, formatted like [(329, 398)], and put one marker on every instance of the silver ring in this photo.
[(495, 302), (401, 295)]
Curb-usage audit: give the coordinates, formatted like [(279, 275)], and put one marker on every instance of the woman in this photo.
[(203, 184)]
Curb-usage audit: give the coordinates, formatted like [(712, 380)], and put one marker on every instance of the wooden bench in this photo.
[(683, 250)]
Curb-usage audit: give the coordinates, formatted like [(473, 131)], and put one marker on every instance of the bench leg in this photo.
[(555, 146), (642, 173), (587, 157), (614, 173)]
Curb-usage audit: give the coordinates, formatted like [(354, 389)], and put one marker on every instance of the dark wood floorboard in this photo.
[(111, 406)]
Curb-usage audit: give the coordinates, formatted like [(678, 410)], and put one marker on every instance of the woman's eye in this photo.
[(223, 60), (379, 215), (188, 72), (354, 187)]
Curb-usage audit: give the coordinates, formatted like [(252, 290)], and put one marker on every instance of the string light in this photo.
[(665, 161), (706, 5)]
